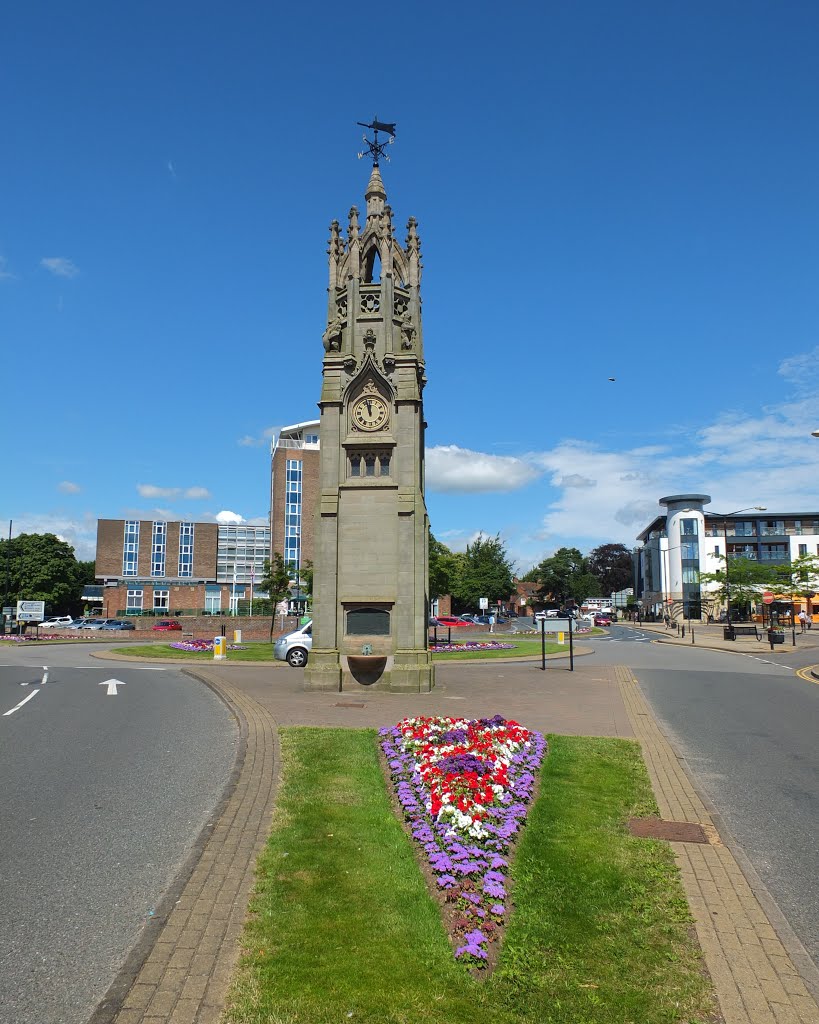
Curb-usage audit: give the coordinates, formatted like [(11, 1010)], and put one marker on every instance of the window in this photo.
[(716, 550), (130, 548), (292, 523), (690, 574), (133, 602), (384, 464), (311, 439), (688, 527), (355, 465), (185, 549), (368, 622), (369, 462), (158, 539), (690, 549), (213, 599), (803, 549), (161, 600)]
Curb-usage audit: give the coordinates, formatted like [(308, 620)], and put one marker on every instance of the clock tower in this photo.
[(370, 580)]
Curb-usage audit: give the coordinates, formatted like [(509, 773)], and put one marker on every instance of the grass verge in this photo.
[(259, 651), (343, 927)]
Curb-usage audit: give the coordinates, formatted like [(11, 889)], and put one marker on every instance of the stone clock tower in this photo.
[(370, 582)]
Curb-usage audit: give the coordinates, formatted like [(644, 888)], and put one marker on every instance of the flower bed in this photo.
[(472, 645), (463, 786), (202, 645)]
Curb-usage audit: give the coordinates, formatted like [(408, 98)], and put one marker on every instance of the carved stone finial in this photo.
[(353, 229)]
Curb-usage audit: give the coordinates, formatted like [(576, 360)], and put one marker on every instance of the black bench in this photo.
[(732, 632)]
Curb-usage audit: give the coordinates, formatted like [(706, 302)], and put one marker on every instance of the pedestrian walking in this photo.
[(803, 620), (491, 623)]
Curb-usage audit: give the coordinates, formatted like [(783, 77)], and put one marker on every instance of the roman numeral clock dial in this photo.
[(370, 413)]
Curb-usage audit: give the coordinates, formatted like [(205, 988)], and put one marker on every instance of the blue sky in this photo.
[(622, 190)]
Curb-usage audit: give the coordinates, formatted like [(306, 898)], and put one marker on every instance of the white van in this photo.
[(295, 647)]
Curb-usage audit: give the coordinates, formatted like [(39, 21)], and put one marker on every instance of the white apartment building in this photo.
[(687, 540)]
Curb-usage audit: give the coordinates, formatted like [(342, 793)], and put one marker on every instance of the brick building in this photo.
[(163, 568), (294, 487)]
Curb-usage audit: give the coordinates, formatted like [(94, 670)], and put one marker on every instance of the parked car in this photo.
[(164, 625), (97, 623), (468, 619), (77, 623), (117, 624), (56, 622), (295, 647), (451, 620), (602, 620)]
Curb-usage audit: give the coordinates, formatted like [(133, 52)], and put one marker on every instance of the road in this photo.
[(747, 727), (105, 789)]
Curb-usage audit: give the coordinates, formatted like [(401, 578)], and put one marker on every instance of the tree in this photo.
[(801, 576), (612, 565), (41, 567), (445, 569), (746, 579), (564, 576), (276, 581), (486, 572)]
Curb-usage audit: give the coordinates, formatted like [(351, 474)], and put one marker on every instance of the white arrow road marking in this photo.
[(45, 675), (112, 685), (22, 702)]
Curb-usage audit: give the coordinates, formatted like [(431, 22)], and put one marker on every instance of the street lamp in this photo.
[(723, 517)]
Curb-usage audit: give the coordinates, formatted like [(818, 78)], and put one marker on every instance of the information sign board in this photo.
[(30, 611)]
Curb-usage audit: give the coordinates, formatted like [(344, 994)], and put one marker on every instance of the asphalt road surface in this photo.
[(747, 727), (103, 795)]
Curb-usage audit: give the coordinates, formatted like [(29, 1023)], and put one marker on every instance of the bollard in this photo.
[(219, 648), (237, 636), (682, 634)]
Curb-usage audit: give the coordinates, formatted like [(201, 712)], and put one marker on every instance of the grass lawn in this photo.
[(263, 651), (343, 926), (528, 648), (259, 651)]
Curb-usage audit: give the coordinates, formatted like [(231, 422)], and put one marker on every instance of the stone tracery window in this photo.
[(369, 463)]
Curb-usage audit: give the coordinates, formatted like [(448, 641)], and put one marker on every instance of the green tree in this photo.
[(41, 567), (612, 565), (445, 569), (564, 576), (486, 572), (746, 579), (276, 582), (801, 576)]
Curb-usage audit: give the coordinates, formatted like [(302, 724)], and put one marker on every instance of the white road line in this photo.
[(25, 700)]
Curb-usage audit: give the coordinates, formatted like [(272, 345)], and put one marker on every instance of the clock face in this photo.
[(370, 413)]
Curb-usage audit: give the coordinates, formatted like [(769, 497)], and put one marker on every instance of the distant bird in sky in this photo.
[(612, 378)]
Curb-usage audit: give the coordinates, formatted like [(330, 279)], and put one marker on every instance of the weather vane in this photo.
[(374, 147)]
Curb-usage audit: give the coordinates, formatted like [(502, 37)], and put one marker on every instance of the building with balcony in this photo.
[(688, 540), (294, 487)]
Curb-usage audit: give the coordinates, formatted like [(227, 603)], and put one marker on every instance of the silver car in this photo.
[(295, 647)]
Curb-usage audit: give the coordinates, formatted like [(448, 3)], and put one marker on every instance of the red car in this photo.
[(166, 624), (602, 620), (450, 620)]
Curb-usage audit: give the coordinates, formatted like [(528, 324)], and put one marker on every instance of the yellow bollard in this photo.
[(219, 648)]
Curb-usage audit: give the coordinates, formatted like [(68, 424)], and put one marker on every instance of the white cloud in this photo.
[(453, 469), (80, 533), (67, 487), (5, 275), (802, 371), (262, 441), (152, 491), (228, 518), (59, 266)]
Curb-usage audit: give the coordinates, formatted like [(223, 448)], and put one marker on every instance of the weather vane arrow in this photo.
[(375, 148)]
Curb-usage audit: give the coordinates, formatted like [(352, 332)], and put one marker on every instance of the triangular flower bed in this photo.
[(464, 786)]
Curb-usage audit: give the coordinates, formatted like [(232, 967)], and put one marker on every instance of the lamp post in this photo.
[(723, 517)]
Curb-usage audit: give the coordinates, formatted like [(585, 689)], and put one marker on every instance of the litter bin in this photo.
[(728, 633)]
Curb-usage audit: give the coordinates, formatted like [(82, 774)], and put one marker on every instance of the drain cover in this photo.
[(673, 831), (350, 705)]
